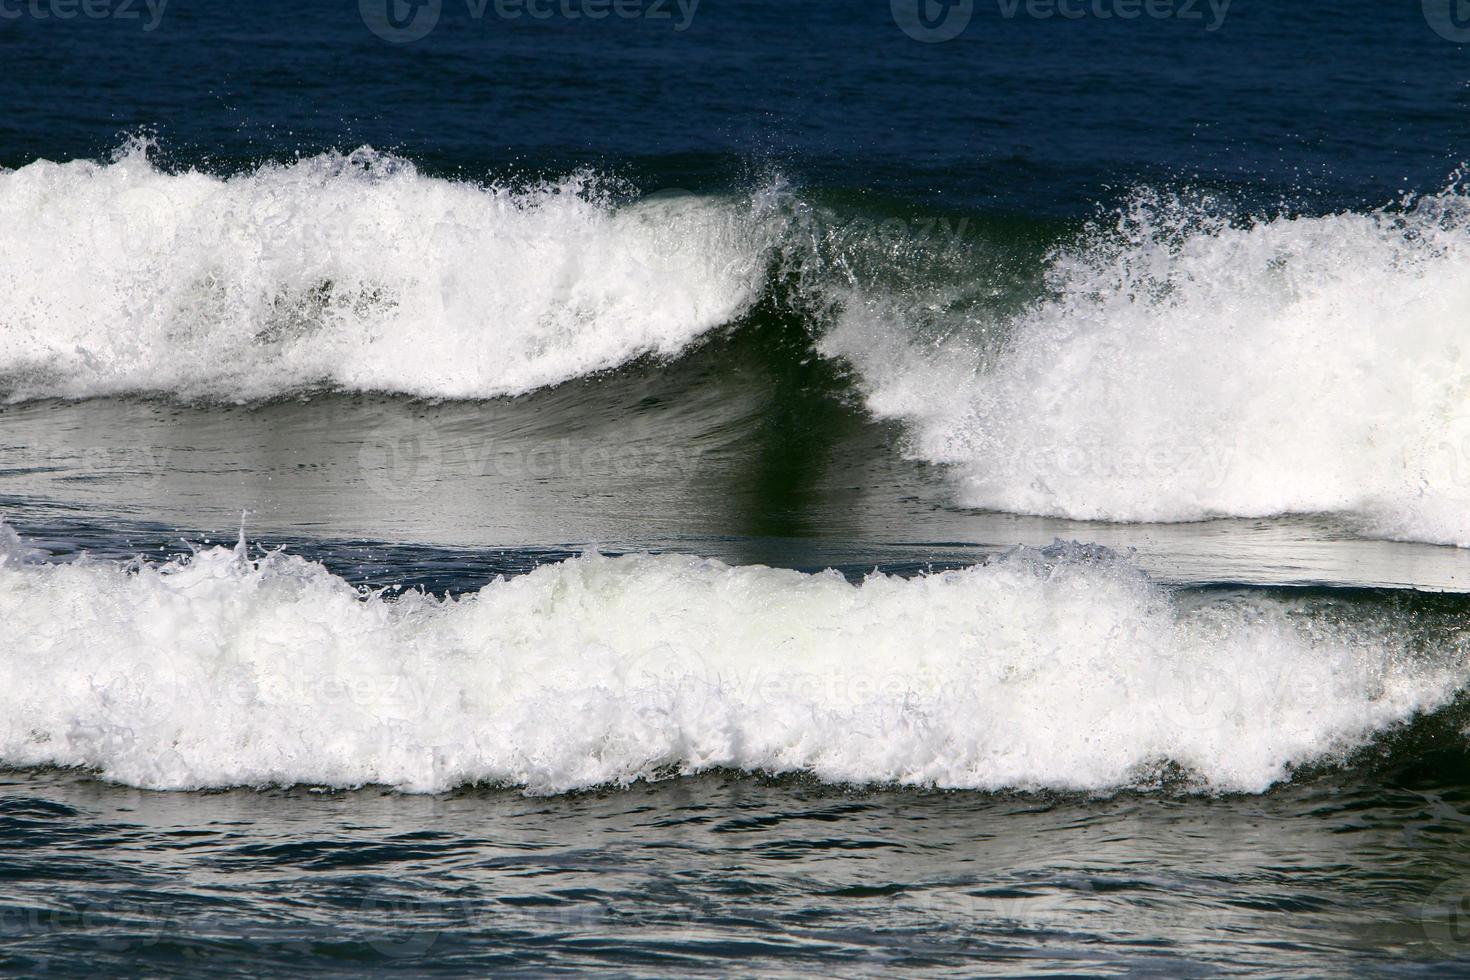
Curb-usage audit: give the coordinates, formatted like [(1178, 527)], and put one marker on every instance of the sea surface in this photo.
[(735, 488)]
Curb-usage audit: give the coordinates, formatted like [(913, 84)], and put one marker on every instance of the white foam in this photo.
[(355, 272), (13, 550), (1183, 368), (1066, 670)]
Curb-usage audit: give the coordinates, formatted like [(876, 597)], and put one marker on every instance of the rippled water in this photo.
[(732, 873)]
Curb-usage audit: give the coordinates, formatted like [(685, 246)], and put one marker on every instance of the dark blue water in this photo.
[(1339, 103), (1224, 734)]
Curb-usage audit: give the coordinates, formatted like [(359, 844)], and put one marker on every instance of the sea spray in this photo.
[(342, 271), (1058, 669)]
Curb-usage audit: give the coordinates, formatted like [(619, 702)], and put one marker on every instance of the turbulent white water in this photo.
[(1183, 368), (1065, 670), (355, 272), (1179, 367)]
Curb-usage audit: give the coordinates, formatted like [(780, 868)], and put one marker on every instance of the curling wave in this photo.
[(351, 272), (1178, 364), (1182, 365), (1063, 669)]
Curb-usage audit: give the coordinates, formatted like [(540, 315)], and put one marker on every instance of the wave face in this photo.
[(353, 272), (1064, 669), (1177, 365), (1183, 366)]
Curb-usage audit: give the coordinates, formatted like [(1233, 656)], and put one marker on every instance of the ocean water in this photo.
[(735, 488)]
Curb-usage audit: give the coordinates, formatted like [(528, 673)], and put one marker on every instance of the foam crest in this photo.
[(1066, 669), (354, 272), (1184, 366)]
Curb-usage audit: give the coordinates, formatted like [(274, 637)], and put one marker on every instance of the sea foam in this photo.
[(1182, 366), (1064, 669), (352, 272)]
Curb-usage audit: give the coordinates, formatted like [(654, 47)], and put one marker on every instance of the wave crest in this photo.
[(1065, 669), (1183, 366), (353, 272)]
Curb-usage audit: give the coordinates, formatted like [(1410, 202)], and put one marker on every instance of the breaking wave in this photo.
[(1059, 669), (1184, 365), (351, 272)]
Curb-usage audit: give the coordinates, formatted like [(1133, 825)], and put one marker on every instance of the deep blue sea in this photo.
[(726, 487)]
